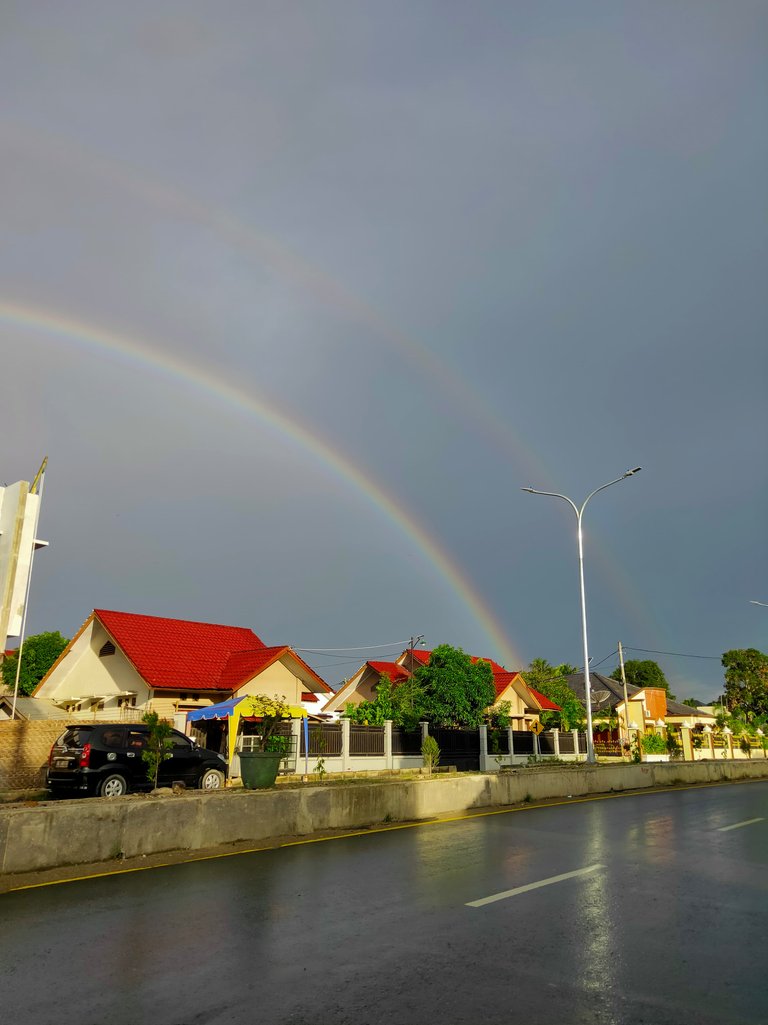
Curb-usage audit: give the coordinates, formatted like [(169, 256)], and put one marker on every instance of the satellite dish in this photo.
[(598, 696)]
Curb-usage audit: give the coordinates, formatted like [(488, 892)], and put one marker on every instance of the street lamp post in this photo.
[(579, 516)]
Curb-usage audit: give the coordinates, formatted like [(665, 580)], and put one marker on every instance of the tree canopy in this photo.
[(550, 680), (376, 712), (746, 682), (37, 656), (643, 673), (452, 689)]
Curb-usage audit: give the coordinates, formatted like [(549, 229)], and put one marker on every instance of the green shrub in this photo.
[(654, 744), (430, 752)]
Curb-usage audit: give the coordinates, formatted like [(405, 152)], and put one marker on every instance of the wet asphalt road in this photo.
[(670, 930)]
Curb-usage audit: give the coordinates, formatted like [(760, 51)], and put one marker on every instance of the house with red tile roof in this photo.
[(122, 664), (362, 685), (525, 703)]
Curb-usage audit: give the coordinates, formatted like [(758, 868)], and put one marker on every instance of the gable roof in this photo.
[(177, 652), (543, 700), (395, 672), (242, 666), (599, 683), (502, 680)]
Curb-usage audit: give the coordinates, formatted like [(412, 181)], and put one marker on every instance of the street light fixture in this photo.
[(579, 515)]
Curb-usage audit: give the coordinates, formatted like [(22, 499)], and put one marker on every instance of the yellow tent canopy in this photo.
[(251, 706), (256, 706)]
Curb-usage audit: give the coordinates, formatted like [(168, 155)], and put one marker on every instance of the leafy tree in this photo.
[(550, 681), (746, 681), (376, 712), (37, 656), (497, 718), (453, 690), (643, 673), (159, 744), (692, 702), (406, 704)]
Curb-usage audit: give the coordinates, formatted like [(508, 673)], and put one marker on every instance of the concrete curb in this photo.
[(58, 834)]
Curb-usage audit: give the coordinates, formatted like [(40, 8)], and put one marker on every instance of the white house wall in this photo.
[(82, 673), (277, 681)]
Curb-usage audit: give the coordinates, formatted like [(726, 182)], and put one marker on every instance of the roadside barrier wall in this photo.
[(56, 834)]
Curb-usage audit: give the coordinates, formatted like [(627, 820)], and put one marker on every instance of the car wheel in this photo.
[(113, 785), (211, 779)]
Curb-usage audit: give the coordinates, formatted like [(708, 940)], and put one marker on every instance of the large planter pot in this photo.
[(258, 769), (655, 758)]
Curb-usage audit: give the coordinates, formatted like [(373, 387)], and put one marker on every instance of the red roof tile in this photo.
[(502, 680), (244, 665), (177, 653), (543, 700), (395, 672), (422, 656)]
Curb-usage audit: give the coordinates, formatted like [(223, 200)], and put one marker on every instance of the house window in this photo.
[(127, 702), (106, 649)]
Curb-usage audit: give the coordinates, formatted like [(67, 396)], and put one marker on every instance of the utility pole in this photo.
[(412, 644), (626, 699)]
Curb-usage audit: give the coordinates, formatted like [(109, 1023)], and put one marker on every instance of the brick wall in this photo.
[(24, 748)]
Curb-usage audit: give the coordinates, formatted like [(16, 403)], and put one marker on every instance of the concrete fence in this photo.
[(390, 748)]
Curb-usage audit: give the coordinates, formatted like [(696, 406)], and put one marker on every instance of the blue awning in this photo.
[(221, 711)]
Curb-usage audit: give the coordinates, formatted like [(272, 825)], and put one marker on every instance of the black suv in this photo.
[(105, 759)]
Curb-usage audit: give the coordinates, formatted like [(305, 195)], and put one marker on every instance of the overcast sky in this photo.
[(297, 296)]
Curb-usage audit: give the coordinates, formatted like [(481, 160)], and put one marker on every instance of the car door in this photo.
[(136, 768), (184, 763)]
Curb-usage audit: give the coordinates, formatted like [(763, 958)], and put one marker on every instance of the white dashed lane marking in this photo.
[(532, 886)]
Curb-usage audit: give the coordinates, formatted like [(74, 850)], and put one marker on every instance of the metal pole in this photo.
[(624, 685), (587, 682), (41, 478), (579, 515)]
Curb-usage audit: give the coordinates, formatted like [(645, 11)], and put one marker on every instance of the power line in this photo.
[(359, 647), (610, 655), (680, 654), (341, 662)]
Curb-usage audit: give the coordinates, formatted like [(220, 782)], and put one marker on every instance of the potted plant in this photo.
[(654, 747), (260, 760)]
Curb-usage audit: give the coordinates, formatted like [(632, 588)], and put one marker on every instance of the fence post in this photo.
[(482, 737), (688, 754), (511, 745), (388, 760), (424, 730), (556, 735), (345, 731), (576, 743)]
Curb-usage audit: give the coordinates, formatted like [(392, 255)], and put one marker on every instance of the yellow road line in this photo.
[(387, 829)]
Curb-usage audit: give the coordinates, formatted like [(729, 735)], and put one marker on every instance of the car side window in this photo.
[(180, 742), (112, 738), (136, 740)]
